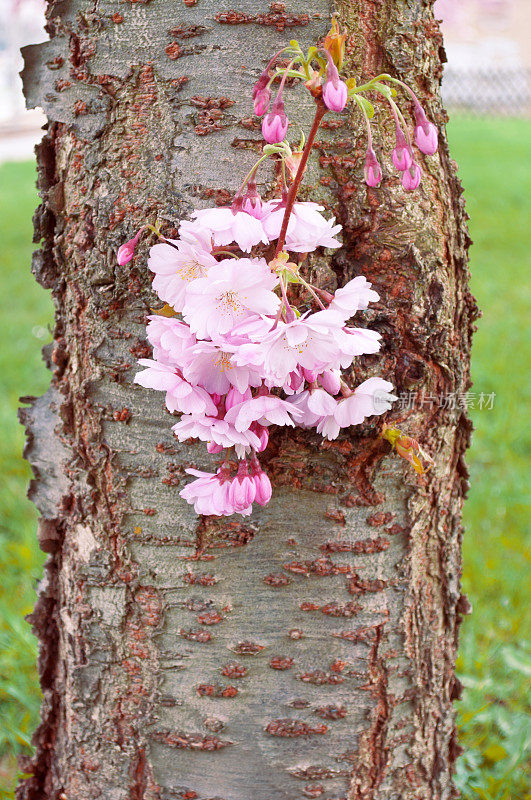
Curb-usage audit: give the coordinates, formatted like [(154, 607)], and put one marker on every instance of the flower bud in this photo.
[(426, 135), (309, 374), (212, 447), (295, 380), (242, 490), (263, 488), (275, 124), (401, 157), (126, 251), (335, 91), (253, 206), (252, 202), (263, 435), (411, 177), (330, 380), (261, 99), (372, 170)]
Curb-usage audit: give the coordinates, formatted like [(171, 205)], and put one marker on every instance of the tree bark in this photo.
[(309, 650)]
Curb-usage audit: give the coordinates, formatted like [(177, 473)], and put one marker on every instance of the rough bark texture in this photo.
[(308, 651)]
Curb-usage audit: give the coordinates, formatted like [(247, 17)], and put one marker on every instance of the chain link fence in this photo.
[(495, 92)]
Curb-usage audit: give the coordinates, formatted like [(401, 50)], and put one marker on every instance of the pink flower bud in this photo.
[(253, 206), (426, 135), (242, 490), (275, 124), (212, 447), (330, 381), (234, 398), (126, 251), (426, 138), (261, 100), (335, 91), (263, 488), (372, 170), (411, 177), (295, 380), (263, 435), (252, 202), (261, 93), (309, 374), (402, 158)]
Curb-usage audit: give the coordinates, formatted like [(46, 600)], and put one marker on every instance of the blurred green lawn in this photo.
[(495, 661)]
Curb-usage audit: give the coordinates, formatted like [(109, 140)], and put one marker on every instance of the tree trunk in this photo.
[(307, 651)]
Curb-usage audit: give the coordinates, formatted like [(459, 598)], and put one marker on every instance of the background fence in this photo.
[(497, 92)]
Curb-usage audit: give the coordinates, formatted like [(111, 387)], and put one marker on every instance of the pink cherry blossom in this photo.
[(210, 494), (225, 227), (286, 348), (354, 296), (250, 329), (371, 398), (321, 403), (170, 338), (314, 342), (353, 342), (232, 291), (211, 366), (219, 431), (176, 268), (180, 395), (265, 409), (307, 228), (195, 234)]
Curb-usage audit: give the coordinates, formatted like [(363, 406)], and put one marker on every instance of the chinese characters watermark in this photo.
[(480, 401)]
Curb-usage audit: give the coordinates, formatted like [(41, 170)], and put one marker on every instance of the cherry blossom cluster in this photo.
[(240, 358), (232, 352)]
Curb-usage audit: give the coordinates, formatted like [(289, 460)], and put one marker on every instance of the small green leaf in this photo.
[(366, 104), (387, 91)]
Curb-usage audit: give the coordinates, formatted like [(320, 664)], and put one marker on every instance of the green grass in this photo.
[(495, 658), (25, 312), (495, 661)]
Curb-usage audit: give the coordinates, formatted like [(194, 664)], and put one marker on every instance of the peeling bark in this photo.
[(308, 651)]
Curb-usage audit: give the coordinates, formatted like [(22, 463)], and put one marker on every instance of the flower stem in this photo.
[(292, 194)]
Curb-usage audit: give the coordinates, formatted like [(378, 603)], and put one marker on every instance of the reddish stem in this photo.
[(294, 188)]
